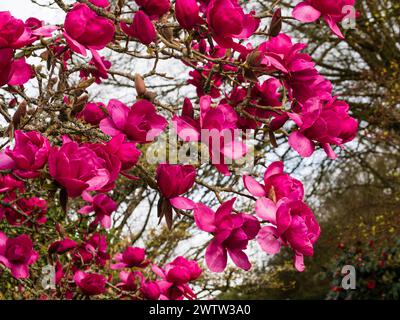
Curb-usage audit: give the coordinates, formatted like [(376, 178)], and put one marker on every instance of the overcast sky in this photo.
[(23, 9)]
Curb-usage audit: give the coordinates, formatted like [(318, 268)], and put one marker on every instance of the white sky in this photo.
[(23, 9)]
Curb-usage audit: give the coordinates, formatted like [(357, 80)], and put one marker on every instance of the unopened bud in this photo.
[(140, 85)]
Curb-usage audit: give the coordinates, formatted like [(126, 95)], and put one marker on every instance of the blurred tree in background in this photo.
[(358, 195)]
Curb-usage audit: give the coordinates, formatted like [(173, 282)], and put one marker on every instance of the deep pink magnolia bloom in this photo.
[(13, 32), (141, 28), (102, 205), (91, 284), (17, 254), (227, 21), (79, 168), (301, 78), (129, 280), (175, 180), (101, 3), (327, 124), (139, 123), (131, 257), (93, 250), (176, 276), (29, 154), (220, 124), (13, 72), (187, 13), (277, 183), (150, 290), (280, 203), (332, 11), (232, 233), (62, 246), (293, 224), (84, 29), (38, 28), (33, 208), (8, 184), (154, 8), (111, 161), (93, 113), (263, 94), (125, 151)]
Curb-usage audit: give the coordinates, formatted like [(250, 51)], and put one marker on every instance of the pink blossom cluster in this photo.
[(270, 86)]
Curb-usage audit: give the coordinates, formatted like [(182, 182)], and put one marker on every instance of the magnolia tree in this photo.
[(66, 158)]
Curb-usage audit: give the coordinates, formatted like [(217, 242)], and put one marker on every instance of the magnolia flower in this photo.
[(29, 154), (232, 233), (293, 224), (9, 184), (227, 21), (84, 29), (263, 94), (14, 33), (93, 250), (129, 280), (79, 168), (125, 151), (154, 8), (62, 246), (13, 72), (131, 257), (17, 254), (139, 123), (187, 13), (90, 284), (327, 124), (175, 276), (220, 124), (277, 183), (150, 290), (141, 28), (332, 11), (102, 205), (100, 3), (301, 78), (175, 180), (34, 210), (93, 113)]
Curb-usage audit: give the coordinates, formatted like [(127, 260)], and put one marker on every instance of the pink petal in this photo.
[(234, 150), (255, 188), (329, 151), (3, 241), (186, 128), (268, 240), (20, 271), (266, 209), (75, 45), (333, 26), (240, 259), (204, 218), (274, 168), (216, 257), (305, 13), (6, 162), (299, 262), (304, 146), (108, 127), (182, 203), (21, 72)]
